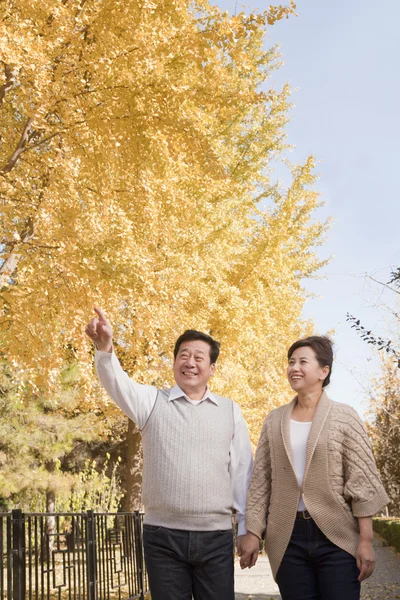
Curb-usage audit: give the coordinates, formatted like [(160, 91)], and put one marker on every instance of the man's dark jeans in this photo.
[(313, 568), (181, 564)]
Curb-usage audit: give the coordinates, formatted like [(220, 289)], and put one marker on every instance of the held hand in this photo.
[(100, 331), (239, 540), (365, 557), (248, 549)]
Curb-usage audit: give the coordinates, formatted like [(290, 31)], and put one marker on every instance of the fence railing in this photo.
[(72, 556)]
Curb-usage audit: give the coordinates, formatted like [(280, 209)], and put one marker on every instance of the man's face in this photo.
[(192, 368)]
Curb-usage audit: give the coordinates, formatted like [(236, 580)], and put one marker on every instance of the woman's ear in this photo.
[(325, 372)]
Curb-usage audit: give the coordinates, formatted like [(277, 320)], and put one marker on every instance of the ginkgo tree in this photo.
[(135, 175)]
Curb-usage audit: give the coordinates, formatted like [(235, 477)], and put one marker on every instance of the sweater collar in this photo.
[(321, 414), (176, 393)]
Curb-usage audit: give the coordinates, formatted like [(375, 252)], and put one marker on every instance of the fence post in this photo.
[(91, 562), (139, 553), (18, 554)]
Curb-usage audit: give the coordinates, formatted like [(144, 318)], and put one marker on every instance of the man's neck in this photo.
[(194, 394)]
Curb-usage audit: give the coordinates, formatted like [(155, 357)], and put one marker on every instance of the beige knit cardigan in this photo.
[(341, 481)]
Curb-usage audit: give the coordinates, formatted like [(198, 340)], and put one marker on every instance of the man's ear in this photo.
[(213, 368)]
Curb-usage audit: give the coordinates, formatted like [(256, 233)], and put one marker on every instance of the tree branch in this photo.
[(8, 84), (369, 393), (385, 285), (50, 137), (20, 147), (11, 262), (370, 338)]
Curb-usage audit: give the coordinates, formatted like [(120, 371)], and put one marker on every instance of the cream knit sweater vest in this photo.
[(186, 482)]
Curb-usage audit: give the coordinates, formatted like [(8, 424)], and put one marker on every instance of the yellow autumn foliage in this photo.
[(137, 139)]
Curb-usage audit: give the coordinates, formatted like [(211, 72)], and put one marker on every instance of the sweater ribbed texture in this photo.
[(186, 481), (341, 480)]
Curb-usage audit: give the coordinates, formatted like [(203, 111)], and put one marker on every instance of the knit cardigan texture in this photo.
[(341, 480)]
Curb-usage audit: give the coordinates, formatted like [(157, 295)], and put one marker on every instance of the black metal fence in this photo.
[(72, 556)]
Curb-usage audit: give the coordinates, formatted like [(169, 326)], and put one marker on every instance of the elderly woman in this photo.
[(314, 488)]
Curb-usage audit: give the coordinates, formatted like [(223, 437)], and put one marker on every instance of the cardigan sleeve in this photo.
[(258, 495), (363, 488)]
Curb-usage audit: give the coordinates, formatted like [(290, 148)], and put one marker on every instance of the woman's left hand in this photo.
[(365, 559)]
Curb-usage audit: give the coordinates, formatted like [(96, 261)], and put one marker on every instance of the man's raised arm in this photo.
[(136, 400)]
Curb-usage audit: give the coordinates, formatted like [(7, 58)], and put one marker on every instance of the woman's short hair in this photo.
[(323, 349)]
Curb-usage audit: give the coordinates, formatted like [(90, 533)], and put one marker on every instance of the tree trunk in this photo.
[(47, 544), (133, 475)]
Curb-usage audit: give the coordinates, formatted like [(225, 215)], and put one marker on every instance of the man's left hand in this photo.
[(239, 541), (248, 547)]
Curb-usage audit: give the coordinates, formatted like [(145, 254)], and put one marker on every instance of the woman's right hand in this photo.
[(249, 549), (100, 331), (365, 559)]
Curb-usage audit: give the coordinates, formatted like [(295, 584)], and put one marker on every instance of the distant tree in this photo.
[(37, 433), (384, 423), (384, 429)]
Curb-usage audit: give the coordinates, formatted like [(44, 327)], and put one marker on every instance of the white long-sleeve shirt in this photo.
[(137, 402)]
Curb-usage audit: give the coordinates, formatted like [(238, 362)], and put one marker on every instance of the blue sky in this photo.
[(343, 59)]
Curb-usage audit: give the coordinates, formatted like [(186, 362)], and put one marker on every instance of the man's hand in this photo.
[(239, 539), (365, 559), (100, 331), (248, 548)]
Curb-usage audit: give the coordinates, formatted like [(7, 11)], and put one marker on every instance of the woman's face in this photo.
[(304, 371)]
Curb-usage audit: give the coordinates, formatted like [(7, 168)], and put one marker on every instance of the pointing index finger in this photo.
[(100, 313)]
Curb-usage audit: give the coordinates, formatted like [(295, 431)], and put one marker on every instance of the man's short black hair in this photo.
[(191, 335)]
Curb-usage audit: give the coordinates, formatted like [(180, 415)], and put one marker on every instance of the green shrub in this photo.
[(389, 529)]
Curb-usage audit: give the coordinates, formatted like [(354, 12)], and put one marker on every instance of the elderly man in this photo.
[(197, 466)]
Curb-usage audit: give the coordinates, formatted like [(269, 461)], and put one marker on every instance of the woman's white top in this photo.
[(298, 439)]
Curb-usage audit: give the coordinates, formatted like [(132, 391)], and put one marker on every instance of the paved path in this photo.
[(257, 583), (384, 583)]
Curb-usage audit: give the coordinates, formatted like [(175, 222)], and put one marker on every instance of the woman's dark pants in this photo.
[(181, 564), (313, 568)]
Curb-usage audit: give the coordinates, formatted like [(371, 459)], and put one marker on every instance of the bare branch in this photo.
[(32, 146), (20, 147), (126, 52), (44, 246), (8, 84), (385, 285)]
